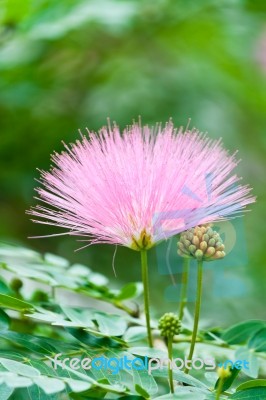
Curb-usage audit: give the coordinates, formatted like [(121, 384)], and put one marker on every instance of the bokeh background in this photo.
[(69, 65)]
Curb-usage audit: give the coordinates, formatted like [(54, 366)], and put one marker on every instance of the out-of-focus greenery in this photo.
[(36, 327), (71, 64)]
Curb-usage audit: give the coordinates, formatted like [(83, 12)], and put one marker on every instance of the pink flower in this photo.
[(137, 188)]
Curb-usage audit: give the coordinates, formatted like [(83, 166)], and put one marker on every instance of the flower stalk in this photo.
[(197, 312), (170, 369), (145, 280), (169, 326), (223, 373), (184, 284)]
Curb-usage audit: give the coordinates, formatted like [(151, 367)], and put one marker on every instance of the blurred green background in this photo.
[(69, 65)]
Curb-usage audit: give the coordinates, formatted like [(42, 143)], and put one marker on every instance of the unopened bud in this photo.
[(224, 372), (169, 325), (16, 284), (202, 243)]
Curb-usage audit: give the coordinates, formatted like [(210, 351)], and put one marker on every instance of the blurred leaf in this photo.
[(250, 394), (19, 368), (142, 391), (4, 288), (252, 384), (77, 385), (135, 333), (32, 392), (49, 385), (131, 290), (40, 345), (148, 352), (97, 279), (181, 377), (243, 353), (110, 324), (5, 391), (56, 260), (4, 320), (257, 342), (240, 333), (185, 393), (83, 317), (94, 341), (14, 304)]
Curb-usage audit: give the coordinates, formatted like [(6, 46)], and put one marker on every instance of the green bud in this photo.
[(192, 248), (16, 284), (199, 254), (211, 242), (169, 325)]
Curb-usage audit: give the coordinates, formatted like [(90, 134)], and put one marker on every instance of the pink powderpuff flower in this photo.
[(139, 187)]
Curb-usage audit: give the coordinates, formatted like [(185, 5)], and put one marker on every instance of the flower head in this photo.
[(224, 373), (202, 243), (169, 325), (137, 188)]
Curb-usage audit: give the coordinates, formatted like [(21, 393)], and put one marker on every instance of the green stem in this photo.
[(197, 313), (219, 389), (121, 306), (184, 283), (170, 367), (53, 294), (145, 280)]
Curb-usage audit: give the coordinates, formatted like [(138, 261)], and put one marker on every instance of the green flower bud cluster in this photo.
[(16, 284), (169, 325), (202, 243)]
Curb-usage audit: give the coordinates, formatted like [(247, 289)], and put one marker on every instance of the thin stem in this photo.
[(197, 313), (170, 367), (53, 293), (184, 283), (145, 280), (219, 389)]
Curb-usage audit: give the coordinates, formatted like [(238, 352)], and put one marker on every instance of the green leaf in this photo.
[(135, 333), (185, 393), (5, 391), (93, 341), (33, 392), (251, 384), (258, 341), (4, 288), (19, 253), (142, 391), (127, 377), (82, 317), (250, 394), (19, 368), (97, 279), (40, 345), (14, 303), (110, 324), (49, 385), (130, 291), (31, 273), (16, 381), (4, 320), (180, 376), (228, 381), (56, 260), (243, 353), (147, 351), (240, 333), (79, 270), (78, 385)]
